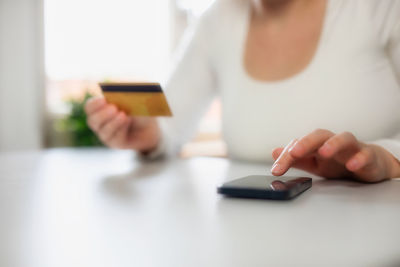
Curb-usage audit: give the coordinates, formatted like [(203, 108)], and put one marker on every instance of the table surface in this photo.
[(97, 207)]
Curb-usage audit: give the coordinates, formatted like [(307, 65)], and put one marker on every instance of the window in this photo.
[(89, 41), (96, 40)]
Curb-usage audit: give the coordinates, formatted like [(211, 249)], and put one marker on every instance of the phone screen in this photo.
[(267, 187)]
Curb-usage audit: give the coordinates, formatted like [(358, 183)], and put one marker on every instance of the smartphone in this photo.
[(265, 187)]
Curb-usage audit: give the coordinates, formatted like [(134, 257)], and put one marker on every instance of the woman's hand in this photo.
[(117, 130), (336, 156)]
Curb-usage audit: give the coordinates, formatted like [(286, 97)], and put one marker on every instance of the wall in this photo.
[(21, 74)]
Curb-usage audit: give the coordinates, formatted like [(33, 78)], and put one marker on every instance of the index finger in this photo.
[(94, 104), (284, 161)]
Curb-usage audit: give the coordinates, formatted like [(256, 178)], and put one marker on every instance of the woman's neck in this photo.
[(277, 8)]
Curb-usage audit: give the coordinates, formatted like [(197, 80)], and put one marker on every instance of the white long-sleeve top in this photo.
[(352, 83)]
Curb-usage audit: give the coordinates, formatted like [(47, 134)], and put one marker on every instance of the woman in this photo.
[(284, 68)]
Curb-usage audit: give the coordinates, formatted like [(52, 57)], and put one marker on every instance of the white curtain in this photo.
[(21, 74)]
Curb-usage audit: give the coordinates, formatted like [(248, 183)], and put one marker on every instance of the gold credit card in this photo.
[(137, 99)]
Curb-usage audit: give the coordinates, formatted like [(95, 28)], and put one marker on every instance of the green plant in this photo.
[(76, 126)]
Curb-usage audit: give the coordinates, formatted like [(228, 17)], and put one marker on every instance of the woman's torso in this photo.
[(348, 86)]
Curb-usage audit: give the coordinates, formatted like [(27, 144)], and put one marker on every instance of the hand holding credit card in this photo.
[(137, 99)]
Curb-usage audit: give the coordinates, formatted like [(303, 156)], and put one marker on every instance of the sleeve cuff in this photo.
[(157, 153)]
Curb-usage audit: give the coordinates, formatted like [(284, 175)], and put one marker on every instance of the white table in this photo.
[(97, 207)]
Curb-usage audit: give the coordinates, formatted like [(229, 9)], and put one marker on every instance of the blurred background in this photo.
[(54, 52)]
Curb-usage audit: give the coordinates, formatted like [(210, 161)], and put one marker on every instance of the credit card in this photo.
[(137, 99)]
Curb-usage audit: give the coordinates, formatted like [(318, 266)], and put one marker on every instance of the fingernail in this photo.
[(326, 149), (276, 168), (353, 164), (293, 146)]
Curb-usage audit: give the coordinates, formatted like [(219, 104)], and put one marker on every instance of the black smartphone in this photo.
[(266, 187)]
